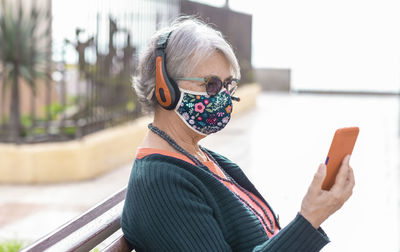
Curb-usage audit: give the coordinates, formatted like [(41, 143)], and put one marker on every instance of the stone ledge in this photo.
[(90, 156)]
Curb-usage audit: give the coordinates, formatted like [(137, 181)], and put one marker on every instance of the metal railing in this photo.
[(68, 100)]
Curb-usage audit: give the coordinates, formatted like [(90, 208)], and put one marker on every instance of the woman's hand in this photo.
[(319, 204)]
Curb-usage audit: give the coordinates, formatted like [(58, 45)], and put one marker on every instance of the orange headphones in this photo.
[(167, 90)]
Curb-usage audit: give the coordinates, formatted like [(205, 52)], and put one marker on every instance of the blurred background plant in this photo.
[(22, 56), (11, 246)]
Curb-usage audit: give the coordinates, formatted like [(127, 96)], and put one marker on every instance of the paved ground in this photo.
[(279, 144)]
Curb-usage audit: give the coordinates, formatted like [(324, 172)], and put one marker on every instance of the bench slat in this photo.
[(118, 245), (92, 234), (95, 224)]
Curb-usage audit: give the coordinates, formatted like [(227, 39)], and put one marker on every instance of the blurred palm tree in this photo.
[(22, 54)]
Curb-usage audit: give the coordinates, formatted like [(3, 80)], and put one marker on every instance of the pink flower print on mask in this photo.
[(211, 120), (205, 114), (199, 107)]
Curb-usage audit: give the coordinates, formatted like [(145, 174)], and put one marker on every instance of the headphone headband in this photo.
[(163, 41)]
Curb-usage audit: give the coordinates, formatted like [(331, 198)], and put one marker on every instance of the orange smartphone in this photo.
[(342, 144)]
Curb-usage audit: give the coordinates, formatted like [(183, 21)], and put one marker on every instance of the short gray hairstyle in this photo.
[(190, 42)]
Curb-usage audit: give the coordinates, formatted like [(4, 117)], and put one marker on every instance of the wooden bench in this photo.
[(99, 225)]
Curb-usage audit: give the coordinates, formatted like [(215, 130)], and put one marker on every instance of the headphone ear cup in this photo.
[(167, 90)]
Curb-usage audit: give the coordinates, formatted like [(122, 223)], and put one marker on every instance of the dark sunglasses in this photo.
[(214, 84)]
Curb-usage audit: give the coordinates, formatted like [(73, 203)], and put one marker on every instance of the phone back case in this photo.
[(342, 144)]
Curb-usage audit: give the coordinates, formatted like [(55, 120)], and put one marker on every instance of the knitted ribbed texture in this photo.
[(172, 205)]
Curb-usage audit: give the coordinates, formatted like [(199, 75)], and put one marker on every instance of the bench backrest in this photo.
[(88, 230)]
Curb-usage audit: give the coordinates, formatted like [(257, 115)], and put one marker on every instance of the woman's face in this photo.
[(216, 65)]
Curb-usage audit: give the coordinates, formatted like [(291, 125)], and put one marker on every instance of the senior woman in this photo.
[(184, 197)]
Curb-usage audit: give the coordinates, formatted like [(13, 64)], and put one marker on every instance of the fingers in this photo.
[(350, 182), (318, 179), (344, 177)]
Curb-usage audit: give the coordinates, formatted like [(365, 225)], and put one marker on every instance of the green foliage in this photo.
[(55, 109), (26, 121), (70, 131), (11, 246), (95, 250)]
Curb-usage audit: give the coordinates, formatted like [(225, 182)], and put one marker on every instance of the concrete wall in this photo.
[(273, 79)]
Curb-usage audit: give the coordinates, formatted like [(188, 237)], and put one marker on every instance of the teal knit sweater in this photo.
[(172, 205)]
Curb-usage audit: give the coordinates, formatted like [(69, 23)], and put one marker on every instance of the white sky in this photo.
[(341, 44)]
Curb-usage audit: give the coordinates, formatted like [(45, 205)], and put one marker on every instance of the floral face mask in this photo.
[(203, 113)]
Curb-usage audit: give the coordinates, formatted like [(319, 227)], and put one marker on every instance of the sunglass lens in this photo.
[(214, 85)]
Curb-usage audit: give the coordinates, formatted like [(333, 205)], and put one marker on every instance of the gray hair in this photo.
[(190, 42)]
